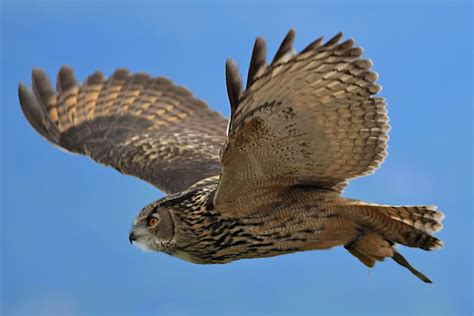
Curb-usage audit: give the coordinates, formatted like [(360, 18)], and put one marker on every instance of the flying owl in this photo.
[(265, 182)]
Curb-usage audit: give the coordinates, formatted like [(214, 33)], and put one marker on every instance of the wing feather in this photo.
[(308, 120), (142, 126), (286, 48), (233, 83), (258, 60)]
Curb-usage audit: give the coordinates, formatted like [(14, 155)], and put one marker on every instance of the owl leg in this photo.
[(370, 247)]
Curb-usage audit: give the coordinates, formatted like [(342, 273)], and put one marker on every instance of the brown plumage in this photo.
[(143, 126), (305, 125)]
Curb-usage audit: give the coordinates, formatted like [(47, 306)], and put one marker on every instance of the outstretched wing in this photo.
[(307, 119), (142, 126)]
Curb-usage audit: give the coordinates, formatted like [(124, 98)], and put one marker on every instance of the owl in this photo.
[(266, 181)]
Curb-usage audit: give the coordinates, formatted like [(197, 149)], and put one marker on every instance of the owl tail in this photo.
[(381, 226)]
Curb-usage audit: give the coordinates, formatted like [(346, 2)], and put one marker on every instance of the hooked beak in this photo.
[(132, 237)]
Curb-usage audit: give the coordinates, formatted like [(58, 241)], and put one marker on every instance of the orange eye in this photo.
[(152, 221)]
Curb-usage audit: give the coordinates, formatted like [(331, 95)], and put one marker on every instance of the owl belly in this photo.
[(269, 235)]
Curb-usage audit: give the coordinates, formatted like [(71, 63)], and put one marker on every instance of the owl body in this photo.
[(297, 220), (264, 182)]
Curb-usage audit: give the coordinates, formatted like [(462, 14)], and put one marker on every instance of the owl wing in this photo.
[(141, 126), (306, 120)]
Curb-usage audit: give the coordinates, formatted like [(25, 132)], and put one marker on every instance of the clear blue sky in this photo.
[(65, 220)]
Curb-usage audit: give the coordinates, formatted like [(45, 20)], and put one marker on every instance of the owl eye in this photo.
[(152, 221)]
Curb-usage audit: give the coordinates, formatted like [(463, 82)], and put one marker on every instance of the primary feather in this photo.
[(142, 126)]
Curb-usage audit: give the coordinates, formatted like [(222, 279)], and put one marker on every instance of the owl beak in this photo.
[(132, 237)]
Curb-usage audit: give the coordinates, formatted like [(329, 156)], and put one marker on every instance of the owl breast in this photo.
[(294, 227)]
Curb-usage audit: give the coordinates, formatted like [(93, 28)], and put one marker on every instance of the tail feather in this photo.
[(425, 218), (381, 226), (411, 226)]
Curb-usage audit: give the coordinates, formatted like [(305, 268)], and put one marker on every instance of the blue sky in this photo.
[(65, 219)]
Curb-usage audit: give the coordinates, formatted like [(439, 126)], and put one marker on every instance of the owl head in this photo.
[(154, 228)]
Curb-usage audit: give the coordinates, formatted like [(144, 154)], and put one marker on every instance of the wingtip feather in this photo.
[(66, 79), (313, 45), (35, 113), (258, 59), (286, 46), (234, 84), (334, 40), (42, 87), (96, 78)]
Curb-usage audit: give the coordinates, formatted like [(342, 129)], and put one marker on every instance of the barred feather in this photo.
[(142, 126), (411, 226)]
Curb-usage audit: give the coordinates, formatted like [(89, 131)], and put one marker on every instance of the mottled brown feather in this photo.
[(310, 120), (142, 126)]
